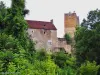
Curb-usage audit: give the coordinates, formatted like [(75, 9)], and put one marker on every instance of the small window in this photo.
[(32, 31), (44, 32), (30, 35), (49, 42)]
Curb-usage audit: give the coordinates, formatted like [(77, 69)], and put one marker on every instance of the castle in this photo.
[(44, 34)]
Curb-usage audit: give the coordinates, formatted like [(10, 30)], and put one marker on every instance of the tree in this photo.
[(89, 68), (16, 25), (88, 38), (2, 5), (3, 14), (20, 5), (92, 19), (68, 38), (14, 40)]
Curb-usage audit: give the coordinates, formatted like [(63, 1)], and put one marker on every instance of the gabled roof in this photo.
[(41, 25)]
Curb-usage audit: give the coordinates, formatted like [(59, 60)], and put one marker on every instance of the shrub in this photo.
[(89, 68), (68, 38), (46, 67)]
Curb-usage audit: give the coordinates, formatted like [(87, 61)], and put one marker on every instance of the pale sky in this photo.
[(45, 10)]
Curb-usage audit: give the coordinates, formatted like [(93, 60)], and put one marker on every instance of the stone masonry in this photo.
[(44, 34)]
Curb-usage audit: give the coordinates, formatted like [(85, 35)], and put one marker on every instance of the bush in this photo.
[(68, 38), (89, 68), (46, 67), (64, 60), (60, 59), (7, 42)]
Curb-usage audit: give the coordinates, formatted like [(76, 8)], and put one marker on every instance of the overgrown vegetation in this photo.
[(18, 55), (68, 38), (87, 39)]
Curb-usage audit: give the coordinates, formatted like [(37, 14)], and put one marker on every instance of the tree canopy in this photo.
[(87, 38)]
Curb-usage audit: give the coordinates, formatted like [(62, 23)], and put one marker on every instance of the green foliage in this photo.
[(68, 38), (89, 68), (71, 61), (46, 67), (14, 42), (64, 60), (12, 67), (87, 39), (12, 23), (2, 5), (3, 14), (60, 59), (41, 55), (71, 71), (23, 66), (6, 57), (55, 64), (1, 65), (19, 6), (92, 19), (9, 43)]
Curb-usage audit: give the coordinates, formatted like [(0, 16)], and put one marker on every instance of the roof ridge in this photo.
[(39, 21)]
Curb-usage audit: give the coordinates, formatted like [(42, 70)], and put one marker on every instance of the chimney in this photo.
[(51, 21)]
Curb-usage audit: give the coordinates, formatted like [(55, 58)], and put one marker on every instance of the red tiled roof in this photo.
[(41, 25)]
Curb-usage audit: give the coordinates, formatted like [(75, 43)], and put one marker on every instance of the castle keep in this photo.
[(71, 20)]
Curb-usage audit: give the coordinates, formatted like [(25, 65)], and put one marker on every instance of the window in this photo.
[(32, 31), (44, 32), (50, 42)]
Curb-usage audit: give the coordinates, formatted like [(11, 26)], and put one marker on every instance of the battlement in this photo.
[(70, 14), (71, 20)]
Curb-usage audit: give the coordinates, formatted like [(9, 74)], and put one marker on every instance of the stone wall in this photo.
[(63, 44), (70, 30), (45, 39), (54, 38)]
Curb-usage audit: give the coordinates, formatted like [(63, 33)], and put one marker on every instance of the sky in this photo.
[(45, 10)]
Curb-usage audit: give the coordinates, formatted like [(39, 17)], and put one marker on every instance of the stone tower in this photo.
[(71, 20)]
